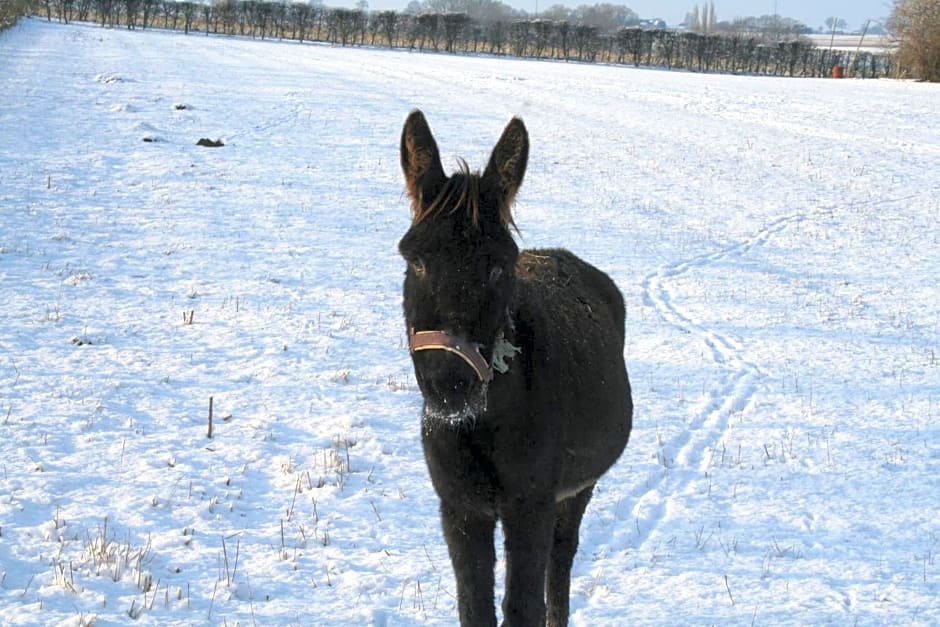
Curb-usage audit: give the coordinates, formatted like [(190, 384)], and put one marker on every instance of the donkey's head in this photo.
[(461, 256)]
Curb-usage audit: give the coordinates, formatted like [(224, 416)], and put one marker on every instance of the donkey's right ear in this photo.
[(420, 160)]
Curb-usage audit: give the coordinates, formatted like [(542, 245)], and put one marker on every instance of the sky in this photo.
[(810, 12)]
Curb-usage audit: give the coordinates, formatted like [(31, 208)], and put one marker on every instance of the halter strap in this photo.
[(442, 340)]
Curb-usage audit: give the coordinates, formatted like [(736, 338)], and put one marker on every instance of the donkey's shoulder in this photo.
[(558, 280), (559, 268), (550, 266)]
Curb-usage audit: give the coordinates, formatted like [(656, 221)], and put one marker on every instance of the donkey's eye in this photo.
[(495, 273), (418, 267)]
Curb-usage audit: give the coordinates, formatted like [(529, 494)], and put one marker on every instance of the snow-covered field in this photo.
[(776, 241), (876, 44)]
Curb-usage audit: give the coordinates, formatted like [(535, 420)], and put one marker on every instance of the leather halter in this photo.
[(442, 340)]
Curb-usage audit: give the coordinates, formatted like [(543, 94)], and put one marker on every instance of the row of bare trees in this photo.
[(741, 53), (749, 53)]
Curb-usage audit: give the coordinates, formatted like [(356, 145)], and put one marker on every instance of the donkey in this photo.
[(519, 358)]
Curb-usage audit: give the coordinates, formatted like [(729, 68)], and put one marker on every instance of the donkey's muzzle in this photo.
[(463, 348)]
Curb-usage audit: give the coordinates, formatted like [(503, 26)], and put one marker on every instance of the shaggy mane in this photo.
[(462, 190)]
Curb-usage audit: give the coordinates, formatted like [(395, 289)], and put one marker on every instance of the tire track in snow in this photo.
[(736, 392)]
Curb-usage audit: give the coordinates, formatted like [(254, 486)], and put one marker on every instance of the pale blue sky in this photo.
[(813, 13)]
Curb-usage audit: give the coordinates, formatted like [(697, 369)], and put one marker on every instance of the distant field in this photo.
[(870, 43)]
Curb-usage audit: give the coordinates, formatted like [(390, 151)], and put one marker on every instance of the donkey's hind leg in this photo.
[(568, 515)]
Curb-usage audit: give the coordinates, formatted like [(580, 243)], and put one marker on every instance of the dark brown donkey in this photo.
[(519, 356)]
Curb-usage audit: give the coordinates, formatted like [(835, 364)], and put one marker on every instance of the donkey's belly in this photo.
[(585, 459), (564, 492), (593, 427)]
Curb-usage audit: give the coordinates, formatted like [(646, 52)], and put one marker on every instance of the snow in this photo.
[(775, 239), (871, 43)]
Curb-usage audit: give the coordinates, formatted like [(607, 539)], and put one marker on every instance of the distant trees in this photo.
[(836, 24), (605, 32), (10, 10), (603, 16), (916, 24), (343, 25), (477, 10), (702, 20), (767, 27)]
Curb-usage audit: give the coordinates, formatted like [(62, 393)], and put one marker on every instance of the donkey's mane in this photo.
[(462, 190)]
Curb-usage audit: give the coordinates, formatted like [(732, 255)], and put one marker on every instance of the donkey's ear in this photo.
[(420, 159), (508, 161)]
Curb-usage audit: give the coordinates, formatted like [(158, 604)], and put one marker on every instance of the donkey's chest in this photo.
[(462, 467), (480, 466)]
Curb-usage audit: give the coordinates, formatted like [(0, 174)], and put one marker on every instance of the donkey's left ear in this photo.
[(508, 161)]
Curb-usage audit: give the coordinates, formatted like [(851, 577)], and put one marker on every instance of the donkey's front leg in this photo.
[(469, 537), (528, 526)]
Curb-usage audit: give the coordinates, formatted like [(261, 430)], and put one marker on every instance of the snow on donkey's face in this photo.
[(458, 283)]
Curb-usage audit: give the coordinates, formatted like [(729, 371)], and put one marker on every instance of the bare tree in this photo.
[(105, 10), (835, 24), (64, 9), (429, 27), (171, 10), (563, 31), (586, 42), (343, 24), (556, 13), (149, 8), (496, 34), (916, 25), (542, 30), (131, 8), (226, 13), (455, 24), (694, 20), (189, 14), (82, 10), (388, 25), (300, 18)]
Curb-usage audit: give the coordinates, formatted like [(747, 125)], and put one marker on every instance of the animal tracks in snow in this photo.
[(686, 457)]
